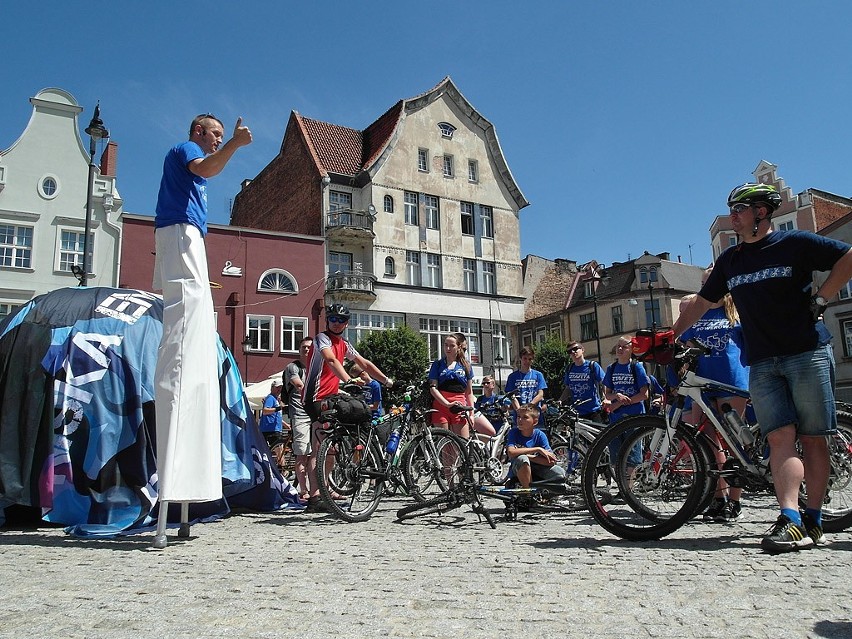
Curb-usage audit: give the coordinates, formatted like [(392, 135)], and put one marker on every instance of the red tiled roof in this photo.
[(338, 148), (346, 151), (377, 135)]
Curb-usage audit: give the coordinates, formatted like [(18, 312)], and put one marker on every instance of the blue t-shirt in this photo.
[(373, 394), (517, 439), (270, 423), (771, 283), (583, 382), (620, 379), (183, 195), (724, 363), (452, 379), (527, 384)]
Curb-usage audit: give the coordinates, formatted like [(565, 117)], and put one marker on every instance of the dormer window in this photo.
[(647, 274), (447, 130)]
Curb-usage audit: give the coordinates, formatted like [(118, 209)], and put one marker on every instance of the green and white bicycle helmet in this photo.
[(749, 193)]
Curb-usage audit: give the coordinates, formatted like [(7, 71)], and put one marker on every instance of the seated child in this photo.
[(529, 450)]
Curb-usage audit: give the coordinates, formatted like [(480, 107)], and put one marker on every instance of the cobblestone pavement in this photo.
[(309, 575)]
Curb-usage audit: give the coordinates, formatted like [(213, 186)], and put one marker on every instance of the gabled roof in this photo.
[(345, 151), (337, 149)]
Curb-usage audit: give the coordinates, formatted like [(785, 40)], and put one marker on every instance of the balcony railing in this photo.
[(351, 284), (353, 222)]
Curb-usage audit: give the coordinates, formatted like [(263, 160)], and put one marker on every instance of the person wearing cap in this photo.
[(769, 275), (582, 382), (270, 420)]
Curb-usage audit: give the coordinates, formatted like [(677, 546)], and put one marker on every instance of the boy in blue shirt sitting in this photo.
[(530, 452)]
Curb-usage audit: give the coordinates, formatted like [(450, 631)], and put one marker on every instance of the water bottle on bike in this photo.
[(740, 427)]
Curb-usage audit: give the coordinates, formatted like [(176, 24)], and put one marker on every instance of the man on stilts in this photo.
[(186, 394)]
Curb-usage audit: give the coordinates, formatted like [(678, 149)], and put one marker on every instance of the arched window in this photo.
[(447, 129), (388, 204), (277, 280), (390, 266)]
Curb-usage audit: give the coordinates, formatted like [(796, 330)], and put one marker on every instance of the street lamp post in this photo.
[(96, 131), (246, 344), (599, 277), (498, 366)]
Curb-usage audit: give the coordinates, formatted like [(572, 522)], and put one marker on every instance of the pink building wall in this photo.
[(255, 252)]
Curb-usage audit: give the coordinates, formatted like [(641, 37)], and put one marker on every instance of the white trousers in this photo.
[(186, 391)]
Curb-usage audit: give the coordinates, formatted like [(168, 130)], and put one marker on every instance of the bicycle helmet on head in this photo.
[(336, 310), (749, 193)]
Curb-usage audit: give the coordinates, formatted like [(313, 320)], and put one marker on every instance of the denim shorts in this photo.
[(795, 389)]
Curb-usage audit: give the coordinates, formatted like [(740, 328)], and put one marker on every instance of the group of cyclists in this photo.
[(757, 310)]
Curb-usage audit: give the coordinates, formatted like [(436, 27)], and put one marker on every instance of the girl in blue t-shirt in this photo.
[(720, 329), (450, 383), (626, 387)]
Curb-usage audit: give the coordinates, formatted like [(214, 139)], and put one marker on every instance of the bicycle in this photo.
[(355, 470), (571, 436), (678, 471), (471, 487), (281, 446)]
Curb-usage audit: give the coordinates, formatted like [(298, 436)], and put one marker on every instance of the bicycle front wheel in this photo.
[(660, 480), (350, 475), (432, 462)]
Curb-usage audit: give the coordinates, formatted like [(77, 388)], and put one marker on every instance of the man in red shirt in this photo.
[(323, 375)]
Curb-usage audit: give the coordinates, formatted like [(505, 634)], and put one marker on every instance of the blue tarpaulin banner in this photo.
[(77, 416)]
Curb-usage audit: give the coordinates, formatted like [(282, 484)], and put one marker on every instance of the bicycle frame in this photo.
[(693, 386)]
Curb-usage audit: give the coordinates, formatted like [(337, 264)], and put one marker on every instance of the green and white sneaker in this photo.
[(785, 536)]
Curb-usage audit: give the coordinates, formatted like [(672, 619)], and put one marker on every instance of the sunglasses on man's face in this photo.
[(335, 319), (739, 208), (575, 349)]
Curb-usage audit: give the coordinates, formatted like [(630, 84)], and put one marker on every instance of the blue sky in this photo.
[(624, 123)]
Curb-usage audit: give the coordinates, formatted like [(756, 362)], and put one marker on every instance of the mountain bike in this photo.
[(571, 436), (677, 469), (355, 469), (472, 485)]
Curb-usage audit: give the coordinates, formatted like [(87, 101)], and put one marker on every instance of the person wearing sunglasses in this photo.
[(770, 276), (186, 377), (582, 382), (324, 372)]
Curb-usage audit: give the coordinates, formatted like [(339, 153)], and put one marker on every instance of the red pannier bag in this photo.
[(654, 345)]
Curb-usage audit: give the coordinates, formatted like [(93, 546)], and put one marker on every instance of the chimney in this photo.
[(109, 159)]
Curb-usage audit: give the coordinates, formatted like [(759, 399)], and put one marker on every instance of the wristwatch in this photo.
[(818, 306)]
